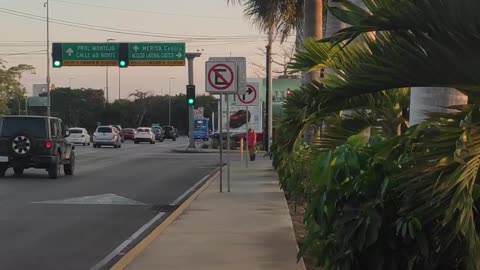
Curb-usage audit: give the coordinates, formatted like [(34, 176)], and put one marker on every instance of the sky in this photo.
[(208, 26)]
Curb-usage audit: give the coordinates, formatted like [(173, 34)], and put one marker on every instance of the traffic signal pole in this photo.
[(190, 57)]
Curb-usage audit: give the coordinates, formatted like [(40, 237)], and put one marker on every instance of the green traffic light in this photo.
[(190, 101), (123, 63), (57, 64)]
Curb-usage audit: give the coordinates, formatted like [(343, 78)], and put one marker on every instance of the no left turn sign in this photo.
[(221, 77)]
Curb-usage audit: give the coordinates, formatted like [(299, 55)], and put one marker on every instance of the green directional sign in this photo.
[(156, 54), (90, 54)]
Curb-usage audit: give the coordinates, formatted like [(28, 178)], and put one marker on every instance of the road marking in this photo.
[(138, 249), (103, 199), (186, 193), (122, 246)]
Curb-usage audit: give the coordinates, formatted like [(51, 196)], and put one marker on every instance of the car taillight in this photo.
[(48, 144)]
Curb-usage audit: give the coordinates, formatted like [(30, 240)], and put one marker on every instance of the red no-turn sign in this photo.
[(221, 77), (251, 96)]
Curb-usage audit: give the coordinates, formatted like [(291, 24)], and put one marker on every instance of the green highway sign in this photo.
[(90, 54), (156, 54)]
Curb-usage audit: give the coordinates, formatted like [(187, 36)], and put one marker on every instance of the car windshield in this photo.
[(104, 130), (34, 126), (143, 130), (128, 130), (75, 131), (168, 128)]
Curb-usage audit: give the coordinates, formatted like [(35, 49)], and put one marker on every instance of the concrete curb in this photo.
[(209, 151), (140, 247)]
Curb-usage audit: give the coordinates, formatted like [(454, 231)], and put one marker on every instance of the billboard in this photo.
[(38, 89), (239, 116)]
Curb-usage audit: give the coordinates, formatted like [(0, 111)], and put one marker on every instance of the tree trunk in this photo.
[(432, 99), (313, 27)]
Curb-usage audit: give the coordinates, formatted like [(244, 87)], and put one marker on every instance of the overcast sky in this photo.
[(208, 25)]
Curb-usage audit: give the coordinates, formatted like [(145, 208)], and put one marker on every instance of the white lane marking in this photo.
[(103, 199), (186, 193), (127, 242)]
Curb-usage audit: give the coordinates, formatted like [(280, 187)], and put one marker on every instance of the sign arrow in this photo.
[(136, 48), (69, 51), (179, 55)]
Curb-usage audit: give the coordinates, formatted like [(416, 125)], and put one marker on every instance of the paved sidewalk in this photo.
[(248, 228)]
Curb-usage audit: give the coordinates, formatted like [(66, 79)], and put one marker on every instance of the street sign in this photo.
[(251, 96), (38, 101), (241, 70), (90, 54), (156, 54), (221, 77)]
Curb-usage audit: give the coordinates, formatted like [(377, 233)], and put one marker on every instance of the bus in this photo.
[(201, 130)]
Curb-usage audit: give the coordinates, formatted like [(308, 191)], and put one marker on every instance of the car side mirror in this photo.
[(67, 133)]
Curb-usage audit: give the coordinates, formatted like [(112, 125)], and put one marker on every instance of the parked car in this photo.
[(106, 135), (35, 142), (144, 134), (159, 134), (170, 133), (78, 136), (129, 134), (120, 132)]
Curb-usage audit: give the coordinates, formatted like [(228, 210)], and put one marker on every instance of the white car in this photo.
[(106, 135), (78, 136), (144, 134)]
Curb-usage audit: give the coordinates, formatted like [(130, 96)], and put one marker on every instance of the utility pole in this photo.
[(190, 57), (170, 100), (119, 81), (267, 133), (106, 75), (48, 58)]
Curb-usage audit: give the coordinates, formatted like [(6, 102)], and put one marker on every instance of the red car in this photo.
[(129, 133)]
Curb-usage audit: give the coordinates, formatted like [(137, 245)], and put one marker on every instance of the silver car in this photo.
[(106, 135)]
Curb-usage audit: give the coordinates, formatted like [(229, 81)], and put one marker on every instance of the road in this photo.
[(75, 222)]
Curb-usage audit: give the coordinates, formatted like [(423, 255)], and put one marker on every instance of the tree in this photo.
[(140, 100), (10, 87)]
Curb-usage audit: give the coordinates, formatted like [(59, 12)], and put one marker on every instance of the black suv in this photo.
[(170, 133), (34, 142)]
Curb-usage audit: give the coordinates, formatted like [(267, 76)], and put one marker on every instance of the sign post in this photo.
[(249, 98), (221, 78)]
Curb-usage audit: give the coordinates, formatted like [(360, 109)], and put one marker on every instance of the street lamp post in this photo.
[(170, 100), (46, 4), (119, 81), (106, 75)]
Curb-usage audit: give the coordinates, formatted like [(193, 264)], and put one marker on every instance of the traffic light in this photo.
[(57, 56), (123, 55), (190, 95), (289, 92)]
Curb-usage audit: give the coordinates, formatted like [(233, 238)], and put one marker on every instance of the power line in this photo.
[(118, 30), (145, 11), (24, 53)]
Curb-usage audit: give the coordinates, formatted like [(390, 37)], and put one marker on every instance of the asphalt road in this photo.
[(75, 222)]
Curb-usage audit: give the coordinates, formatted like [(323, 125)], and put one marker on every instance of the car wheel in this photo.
[(174, 139), (70, 167), (54, 170), (21, 145), (18, 171), (120, 146), (2, 172), (84, 144), (135, 142)]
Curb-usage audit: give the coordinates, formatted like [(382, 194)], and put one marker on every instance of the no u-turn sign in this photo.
[(221, 77)]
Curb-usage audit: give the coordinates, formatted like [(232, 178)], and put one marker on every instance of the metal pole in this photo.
[(48, 59), (228, 140), (221, 142), (268, 126), (106, 82), (246, 136), (26, 105), (119, 83), (213, 121), (190, 57), (170, 101)]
